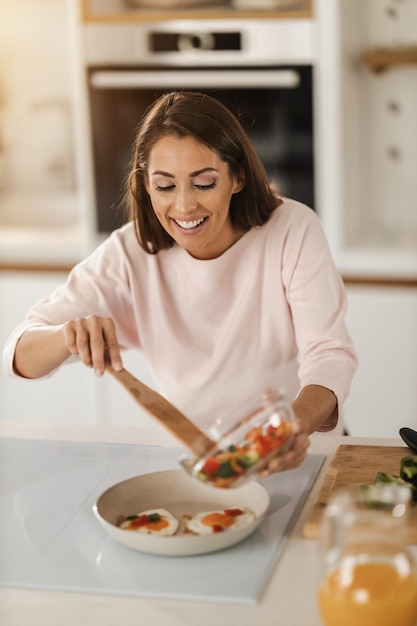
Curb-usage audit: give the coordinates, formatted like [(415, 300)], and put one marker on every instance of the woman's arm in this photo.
[(315, 409), (39, 351), (42, 349), (318, 302)]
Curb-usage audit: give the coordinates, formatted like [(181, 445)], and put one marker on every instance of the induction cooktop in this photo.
[(50, 538)]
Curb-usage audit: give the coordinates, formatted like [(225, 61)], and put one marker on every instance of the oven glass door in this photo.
[(274, 105)]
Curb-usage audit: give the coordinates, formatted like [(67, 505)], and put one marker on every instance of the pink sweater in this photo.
[(215, 333)]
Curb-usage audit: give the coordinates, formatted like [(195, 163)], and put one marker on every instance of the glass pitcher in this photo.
[(368, 576)]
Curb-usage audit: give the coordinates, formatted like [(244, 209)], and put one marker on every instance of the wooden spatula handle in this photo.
[(163, 411)]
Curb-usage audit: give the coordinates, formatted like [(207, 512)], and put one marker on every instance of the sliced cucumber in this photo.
[(250, 458)]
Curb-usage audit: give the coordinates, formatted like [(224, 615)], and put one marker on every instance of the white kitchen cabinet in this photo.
[(66, 397), (366, 135), (73, 394), (366, 151), (383, 324), (121, 409)]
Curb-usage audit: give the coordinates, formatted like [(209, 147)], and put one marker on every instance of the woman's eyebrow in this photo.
[(192, 174), (161, 173), (202, 171)]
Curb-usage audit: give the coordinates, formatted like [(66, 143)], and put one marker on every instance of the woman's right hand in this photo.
[(94, 340)]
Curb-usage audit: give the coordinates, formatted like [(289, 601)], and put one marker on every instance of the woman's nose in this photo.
[(186, 200)]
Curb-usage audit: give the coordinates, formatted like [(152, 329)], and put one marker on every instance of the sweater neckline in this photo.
[(228, 254)]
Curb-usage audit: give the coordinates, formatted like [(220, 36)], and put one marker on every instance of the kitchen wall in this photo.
[(41, 218), (382, 321), (35, 96)]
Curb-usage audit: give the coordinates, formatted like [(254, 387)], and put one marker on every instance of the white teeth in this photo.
[(188, 225)]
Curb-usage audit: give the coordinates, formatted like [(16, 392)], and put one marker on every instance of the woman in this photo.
[(220, 282)]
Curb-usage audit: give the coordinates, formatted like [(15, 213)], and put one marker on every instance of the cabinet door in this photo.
[(73, 393), (383, 326), (69, 395), (121, 408)]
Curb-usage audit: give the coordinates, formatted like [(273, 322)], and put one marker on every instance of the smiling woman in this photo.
[(190, 189), (221, 283), (181, 137)]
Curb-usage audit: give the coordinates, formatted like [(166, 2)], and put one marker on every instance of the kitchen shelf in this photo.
[(366, 147), (381, 59), (97, 11)]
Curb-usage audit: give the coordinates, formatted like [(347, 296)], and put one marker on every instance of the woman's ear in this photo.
[(146, 184), (239, 183)]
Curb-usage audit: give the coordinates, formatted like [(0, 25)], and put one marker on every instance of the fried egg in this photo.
[(151, 522), (210, 522)]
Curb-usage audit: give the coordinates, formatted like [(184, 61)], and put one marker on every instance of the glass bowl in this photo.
[(241, 453)]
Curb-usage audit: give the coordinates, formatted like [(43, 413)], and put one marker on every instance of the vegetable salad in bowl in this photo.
[(245, 450)]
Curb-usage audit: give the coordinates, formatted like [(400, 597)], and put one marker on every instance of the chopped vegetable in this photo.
[(384, 477), (259, 445), (408, 469), (406, 478), (142, 519), (225, 470), (211, 466), (233, 512), (217, 528), (250, 458)]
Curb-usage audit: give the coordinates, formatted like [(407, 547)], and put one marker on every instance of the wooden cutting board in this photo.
[(355, 465)]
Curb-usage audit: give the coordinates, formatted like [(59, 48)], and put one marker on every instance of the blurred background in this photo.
[(327, 90)]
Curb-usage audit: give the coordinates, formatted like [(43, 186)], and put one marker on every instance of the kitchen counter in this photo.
[(47, 247), (117, 11), (289, 593), (41, 227)]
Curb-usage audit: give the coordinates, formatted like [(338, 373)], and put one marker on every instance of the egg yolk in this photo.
[(217, 520)]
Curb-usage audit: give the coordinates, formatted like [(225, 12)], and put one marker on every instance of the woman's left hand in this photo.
[(295, 455)]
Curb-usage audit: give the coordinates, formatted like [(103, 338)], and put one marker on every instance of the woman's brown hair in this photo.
[(206, 119)]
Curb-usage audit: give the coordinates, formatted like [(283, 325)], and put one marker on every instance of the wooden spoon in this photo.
[(166, 413)]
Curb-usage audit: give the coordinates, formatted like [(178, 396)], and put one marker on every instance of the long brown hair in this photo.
[(206, 119)]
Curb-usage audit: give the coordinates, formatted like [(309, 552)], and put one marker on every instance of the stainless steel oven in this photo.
[(261, 70)]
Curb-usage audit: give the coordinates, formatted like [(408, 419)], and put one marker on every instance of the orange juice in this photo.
[(368, 594)]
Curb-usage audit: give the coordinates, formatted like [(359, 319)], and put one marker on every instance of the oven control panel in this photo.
[(190, 43), (160, 41)]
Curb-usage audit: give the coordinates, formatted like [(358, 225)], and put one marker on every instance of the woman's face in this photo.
[(190, 188)]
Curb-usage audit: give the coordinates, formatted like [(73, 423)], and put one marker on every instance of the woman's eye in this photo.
[(201, 186), (164, 187), (204, 187)]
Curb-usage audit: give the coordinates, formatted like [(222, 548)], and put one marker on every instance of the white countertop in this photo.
[(41, 226), (290, 592)]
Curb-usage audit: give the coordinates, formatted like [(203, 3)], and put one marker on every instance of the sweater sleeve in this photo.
[(318, 302), (99, 285)]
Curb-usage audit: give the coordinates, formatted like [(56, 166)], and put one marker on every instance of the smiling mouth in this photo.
[(190, 224)]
